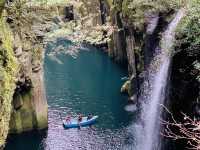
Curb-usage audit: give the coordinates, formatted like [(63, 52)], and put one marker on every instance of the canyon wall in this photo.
[(136, 36), (29, 105), (22, 92), (185, 75), (8, 73)]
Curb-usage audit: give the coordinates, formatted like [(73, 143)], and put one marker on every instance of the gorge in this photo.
[(154, 49)]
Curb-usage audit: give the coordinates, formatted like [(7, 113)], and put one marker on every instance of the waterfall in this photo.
[(155, 88)]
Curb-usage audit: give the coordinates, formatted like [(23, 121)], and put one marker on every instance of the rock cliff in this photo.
[(137, 26), (23, 100), (185, 83), (29, 105), (9, 69)]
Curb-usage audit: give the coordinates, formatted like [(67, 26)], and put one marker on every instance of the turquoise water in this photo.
[(88, 84)]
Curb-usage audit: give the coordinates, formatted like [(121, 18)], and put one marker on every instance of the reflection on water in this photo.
[(27, 141), (89, 84)]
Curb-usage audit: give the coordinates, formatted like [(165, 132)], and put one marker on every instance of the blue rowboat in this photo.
[(74, 122)]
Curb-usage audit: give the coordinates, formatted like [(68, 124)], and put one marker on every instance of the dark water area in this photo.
[(88, 84)]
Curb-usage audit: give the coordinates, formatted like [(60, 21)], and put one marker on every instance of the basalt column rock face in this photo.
[(124, 46), (117, 44), (136, 30), (133, 89), (29, 105), (29, 100), (125, 52), (88, 11), (118, 51)]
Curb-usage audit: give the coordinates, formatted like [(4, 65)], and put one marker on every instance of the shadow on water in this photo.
[(34, 140)]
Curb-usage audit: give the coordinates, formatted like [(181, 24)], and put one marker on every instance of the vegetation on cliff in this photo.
[(84, 26), (187, 37), (8, 72), (29, 101), (185, 77), (135, 10), (49, 2)]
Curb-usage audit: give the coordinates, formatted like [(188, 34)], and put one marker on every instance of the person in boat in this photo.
[(68, 119), (80, 118), (89, 117)]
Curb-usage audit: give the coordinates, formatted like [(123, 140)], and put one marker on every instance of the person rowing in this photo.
[(89, 117), (68, 119), (80, 118)]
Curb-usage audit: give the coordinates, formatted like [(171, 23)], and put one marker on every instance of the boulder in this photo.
[(126, 87)]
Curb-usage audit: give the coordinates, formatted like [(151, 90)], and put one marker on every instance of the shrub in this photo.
[(135, 10)]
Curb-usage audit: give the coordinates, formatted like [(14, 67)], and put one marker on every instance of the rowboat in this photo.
[(74, 122)]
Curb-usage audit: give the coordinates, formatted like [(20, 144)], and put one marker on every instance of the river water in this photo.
[(88, 84)]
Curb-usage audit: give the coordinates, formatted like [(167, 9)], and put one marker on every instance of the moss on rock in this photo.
[(9, 69)]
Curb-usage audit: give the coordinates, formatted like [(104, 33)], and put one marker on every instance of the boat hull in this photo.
[(74, 123)]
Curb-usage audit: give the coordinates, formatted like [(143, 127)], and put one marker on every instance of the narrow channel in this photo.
[(88, 84)]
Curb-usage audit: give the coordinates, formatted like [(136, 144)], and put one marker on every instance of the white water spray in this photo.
[(155, 89)]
